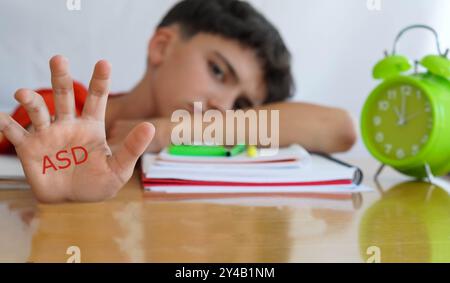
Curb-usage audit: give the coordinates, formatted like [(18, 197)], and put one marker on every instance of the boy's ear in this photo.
[(159, 45)]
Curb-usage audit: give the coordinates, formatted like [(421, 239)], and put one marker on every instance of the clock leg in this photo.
[(431, 180), (376, 181), (378, 173), (430, 176)]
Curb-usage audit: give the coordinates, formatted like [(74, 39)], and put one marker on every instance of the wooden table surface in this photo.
[(404, 221)]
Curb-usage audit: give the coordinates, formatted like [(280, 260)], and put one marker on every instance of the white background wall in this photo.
[(334, 43)]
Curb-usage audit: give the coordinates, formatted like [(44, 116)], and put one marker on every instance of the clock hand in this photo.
[(403, 106), (400, 120), (412, 116)]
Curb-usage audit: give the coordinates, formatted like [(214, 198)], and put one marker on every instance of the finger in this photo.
[(62, 85), (129, 152), (12, 130), (36, 108), (95, 105)]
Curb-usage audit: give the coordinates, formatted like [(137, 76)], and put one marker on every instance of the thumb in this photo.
[(132, 148)]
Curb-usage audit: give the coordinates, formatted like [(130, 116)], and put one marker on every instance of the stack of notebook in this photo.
[(291, 172), (11, 173)]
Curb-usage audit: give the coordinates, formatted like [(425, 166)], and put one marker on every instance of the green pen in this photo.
[(205, 150), (235, 150)]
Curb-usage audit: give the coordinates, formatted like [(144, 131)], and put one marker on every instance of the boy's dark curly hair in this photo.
[(238, 20)]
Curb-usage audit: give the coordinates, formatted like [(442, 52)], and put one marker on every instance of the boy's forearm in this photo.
[(317, 128)]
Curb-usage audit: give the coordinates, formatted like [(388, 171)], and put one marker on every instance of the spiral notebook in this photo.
[(291, 172)]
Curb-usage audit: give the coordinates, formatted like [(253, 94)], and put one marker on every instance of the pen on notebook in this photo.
[(235, 150), (197, 150)]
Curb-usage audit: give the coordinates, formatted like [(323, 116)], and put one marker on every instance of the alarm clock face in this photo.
[(399, 121)]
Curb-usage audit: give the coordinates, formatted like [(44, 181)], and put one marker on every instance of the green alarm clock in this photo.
[(405, 121)]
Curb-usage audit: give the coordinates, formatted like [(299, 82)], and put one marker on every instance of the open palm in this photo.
[(69, 159)]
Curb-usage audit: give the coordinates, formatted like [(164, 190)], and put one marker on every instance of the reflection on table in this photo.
[(410, 223)]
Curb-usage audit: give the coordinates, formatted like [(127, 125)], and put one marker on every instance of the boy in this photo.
[(222, 53)]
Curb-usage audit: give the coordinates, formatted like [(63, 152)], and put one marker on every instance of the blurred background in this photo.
[(334, 43)]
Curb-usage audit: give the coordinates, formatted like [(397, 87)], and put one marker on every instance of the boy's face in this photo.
[(204, 68)]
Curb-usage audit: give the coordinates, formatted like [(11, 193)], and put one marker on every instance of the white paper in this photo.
[(11, 168), (292, 152)]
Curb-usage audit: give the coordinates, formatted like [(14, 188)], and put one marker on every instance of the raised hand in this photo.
[(68, 159)]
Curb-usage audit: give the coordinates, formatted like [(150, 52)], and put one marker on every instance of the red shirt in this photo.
[(21, 115)]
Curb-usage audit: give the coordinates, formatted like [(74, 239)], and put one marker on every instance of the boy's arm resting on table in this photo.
[(317, 128)]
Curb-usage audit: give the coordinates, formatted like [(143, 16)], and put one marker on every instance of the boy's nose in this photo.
[(225, 102)]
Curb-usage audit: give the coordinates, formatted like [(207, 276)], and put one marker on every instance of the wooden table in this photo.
[(405, 221)]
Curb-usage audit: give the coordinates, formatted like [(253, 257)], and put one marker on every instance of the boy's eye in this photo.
[(217, 71)]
